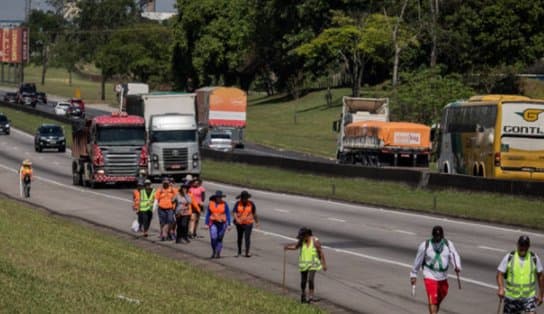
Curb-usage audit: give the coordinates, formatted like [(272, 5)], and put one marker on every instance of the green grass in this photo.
[(29, 123), (50, 265), (56, 83), (480, 206), (271, 121)]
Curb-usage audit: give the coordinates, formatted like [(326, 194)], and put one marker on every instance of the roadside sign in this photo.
[(77, 93)]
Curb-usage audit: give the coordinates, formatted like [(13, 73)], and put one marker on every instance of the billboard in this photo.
[(14, 45)]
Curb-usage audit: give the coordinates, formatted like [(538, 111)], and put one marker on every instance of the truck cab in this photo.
[(173, 145)]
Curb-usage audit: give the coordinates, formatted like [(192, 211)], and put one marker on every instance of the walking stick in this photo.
[(456, 272), (284, 265), (500, 305)]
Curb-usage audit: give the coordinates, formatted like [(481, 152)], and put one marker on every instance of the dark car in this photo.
[(50, 136), (74, 111), (10, 97), (27, 94), (41, 98), (4, 124)]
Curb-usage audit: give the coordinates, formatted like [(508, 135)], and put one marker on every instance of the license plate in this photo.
[(175, 166), (404, 155)]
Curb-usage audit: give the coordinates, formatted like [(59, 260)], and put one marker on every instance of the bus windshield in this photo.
[(121, 136)]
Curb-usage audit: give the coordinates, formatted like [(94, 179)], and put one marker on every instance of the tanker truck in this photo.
[(108, 149), (367, 137), (221, 110)]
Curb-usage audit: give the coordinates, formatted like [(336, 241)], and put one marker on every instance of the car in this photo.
[(77, 110), (41, 98), (10, 97), (49, 136), (27, 94), (219, 140), (61, 108), (4, 124)]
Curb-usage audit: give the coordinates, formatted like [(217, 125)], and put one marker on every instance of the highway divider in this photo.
[(412, 177)]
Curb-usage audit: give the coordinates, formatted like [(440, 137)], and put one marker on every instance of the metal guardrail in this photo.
[(415, 178)]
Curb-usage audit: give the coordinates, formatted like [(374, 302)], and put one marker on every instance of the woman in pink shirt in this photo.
[(197, 191)]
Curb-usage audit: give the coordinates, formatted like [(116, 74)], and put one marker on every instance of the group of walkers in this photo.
[(179, 210), (518, 274)]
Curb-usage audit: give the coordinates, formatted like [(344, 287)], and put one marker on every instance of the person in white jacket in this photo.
[(435, 256)]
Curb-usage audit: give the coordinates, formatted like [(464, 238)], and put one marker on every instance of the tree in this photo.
[(355, 42), (66, 54), (44, 27)]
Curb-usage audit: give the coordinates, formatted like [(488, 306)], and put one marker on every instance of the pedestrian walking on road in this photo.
[(145, 211), (198, 193), (311, 259), (245, 215), (184, 206), (163, 202), (136, 204), (25, 178), (434, 257), (218, 221), (521, 269)]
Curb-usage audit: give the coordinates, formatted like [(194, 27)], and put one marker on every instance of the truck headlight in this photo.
[(195, 164), (195, 156), (155, 158)]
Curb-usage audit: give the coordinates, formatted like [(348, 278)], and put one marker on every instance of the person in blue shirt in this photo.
[(218, 221)]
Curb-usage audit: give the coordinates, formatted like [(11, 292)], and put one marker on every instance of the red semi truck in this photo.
[(108, 149)]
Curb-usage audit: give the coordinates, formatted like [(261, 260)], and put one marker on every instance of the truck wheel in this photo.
[(38, 149)]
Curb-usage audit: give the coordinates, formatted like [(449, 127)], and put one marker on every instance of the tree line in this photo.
[(421, 53)]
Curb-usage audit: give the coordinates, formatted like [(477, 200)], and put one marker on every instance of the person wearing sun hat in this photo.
[(245, 216), (218, 221)]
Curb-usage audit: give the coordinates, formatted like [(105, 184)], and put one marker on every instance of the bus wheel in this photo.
[(446, 169), (481, 171)]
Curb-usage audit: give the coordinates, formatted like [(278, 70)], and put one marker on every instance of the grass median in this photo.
[(480, 206), (57, 266)]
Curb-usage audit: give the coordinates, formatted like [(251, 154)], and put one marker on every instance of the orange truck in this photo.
[(221, 111), (367, 137)]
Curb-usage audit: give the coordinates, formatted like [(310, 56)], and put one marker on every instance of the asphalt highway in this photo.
[(369, 250)]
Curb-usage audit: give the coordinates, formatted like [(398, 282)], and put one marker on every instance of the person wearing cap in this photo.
[(435, 256), (198, 193), (145, 209), (311, 260), (165, 208), (521, 269), (25, 177), (218, 221), (184, 204), (244, 213), (136, 202)]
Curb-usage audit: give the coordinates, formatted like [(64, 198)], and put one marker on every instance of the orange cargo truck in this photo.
[(222, 111), (368, 138)]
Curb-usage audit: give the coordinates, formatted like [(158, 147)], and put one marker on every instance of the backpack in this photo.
[(446, 242)]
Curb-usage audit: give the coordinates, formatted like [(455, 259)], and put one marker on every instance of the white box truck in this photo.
[(172, 133)]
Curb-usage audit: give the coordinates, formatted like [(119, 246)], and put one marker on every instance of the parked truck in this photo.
[(367, 137), (221, 110), (172, 133), (108, 149)]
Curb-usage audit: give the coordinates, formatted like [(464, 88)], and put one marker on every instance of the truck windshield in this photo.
[(221, 136), (121, 136), (173, 136)]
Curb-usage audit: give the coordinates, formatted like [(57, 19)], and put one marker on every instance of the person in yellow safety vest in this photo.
[(521, 269), (25, 177), (311, 259), (145, 209), (245, 215)]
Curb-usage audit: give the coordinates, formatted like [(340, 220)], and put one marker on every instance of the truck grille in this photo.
[(120, 164), (175, 158)]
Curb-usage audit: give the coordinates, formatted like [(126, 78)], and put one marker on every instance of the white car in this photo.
[(61, 107)]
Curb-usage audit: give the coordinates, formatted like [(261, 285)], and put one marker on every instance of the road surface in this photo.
[(369, 250)]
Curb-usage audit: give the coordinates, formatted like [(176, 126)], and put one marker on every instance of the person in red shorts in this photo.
[(435, 256)]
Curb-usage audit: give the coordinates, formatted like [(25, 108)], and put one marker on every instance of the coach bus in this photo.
[(496, 136)]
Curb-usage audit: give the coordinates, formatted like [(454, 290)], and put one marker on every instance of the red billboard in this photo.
[(13, 45)]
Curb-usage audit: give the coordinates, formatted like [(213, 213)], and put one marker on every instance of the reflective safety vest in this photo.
[(217, 212), (244, 214), (521, 280), (136, 199), (25, 171), (436, 261), (146, 201), (309, 259), (165, 197)]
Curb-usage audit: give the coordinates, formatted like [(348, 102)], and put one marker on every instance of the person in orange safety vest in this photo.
[(245, 216), (25, 178), (218, 220)]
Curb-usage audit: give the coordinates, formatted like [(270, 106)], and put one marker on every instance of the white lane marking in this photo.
[(22, 133), (389, 211), (281, 210), (404, 232), (56, 163), (491, 249), (336, 219), (377, 259), (15, 147)]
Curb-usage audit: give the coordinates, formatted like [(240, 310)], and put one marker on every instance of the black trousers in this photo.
[(244, 232), (144, 219), (182, 227), (307, 277)]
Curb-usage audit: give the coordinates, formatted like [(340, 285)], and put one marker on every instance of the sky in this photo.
[(15, 9)]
